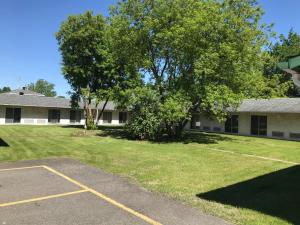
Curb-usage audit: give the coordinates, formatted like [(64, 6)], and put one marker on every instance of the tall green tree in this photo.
[(208, 53), (43, 87), (5, 89), (87, 65), (278, 82), (287, 47)]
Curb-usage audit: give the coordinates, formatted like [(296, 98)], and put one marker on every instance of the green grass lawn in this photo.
[(243, 190)]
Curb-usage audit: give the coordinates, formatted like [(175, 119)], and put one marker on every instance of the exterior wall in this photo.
[(2, 115), (276, 122), (287, 123), (205, 124), (115, 118), (33, 115), (39, 116)]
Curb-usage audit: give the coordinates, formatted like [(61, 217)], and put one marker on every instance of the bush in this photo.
[(144, 124)]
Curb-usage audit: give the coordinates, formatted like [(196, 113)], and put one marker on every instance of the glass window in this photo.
[(107, 117), (259, 125), (232, 124), (122, 117), (53, 116), (13, 115), (75, 116)]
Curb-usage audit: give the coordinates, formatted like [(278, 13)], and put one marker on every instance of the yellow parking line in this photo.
[(20, 168), (42, 198), (104, 197)]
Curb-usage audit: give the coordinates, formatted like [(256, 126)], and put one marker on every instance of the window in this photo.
[(232, 124), (13, 115), (75, 116), (217, 129), (295, 135), (107, 117), (259, 125), (206, 128), (53, 116), (277, 134), (122, 117)]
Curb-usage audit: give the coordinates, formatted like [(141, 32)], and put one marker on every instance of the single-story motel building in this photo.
[(274, 118)]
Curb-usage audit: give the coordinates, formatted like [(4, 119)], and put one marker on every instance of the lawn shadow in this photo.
[(188, 136), (275, 194), (3, 143)]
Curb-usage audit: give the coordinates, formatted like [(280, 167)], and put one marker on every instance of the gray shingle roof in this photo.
[(34, 99), (274, 105)]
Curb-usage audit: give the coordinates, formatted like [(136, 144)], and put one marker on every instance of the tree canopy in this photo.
[(278, 84), (43, 87), (89, 65), (5, 89), (207, 54)]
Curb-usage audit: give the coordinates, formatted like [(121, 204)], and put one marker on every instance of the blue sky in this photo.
[(29, 51)]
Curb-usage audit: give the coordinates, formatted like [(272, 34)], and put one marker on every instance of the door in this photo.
[(259, 125), (17, 115), (13, 115)]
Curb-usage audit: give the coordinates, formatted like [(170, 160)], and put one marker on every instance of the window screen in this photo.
[(232, 124), (259, 125), (53, 116), (13, 115), (122, 117), (75, 116), (107, 117)]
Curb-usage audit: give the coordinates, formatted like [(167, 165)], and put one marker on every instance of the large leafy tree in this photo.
[(92, 68), (87, 65), (43, 87), (5, 89), (278, 83), (206, 55), (287, 47)]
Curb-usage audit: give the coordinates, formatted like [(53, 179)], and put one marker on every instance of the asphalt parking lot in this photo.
[(67, 192)]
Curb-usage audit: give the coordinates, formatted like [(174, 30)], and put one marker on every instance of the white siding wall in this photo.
[(205, 123), (278, 122), (33, 115), (2, 115), (38, 116), (115, 118)]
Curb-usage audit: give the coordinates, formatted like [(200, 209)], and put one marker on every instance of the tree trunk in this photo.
[(102, 110)]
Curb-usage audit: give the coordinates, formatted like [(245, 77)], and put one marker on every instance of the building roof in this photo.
[(21, 97), (274, 105)]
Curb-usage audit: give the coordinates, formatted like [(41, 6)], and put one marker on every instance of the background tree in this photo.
[(86, 64), (278, 83), (205, 53), (5, 89), (92, 68), (43, 87)]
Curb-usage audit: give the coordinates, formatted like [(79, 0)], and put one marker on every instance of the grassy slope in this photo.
[(180, 170)]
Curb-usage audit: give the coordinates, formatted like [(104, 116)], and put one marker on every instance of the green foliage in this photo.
[(93, 70), (5, 89), (209, 50), (43, 87), (173, 112), (90, 125), (87, 64), (278, 84), (145, 121), (287, 47)]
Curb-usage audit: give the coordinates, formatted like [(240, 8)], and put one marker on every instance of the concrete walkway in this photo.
[(67, 192)]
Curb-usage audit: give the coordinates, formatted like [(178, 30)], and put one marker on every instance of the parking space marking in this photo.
[(104, 197), (20, 168), (42, 198)]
